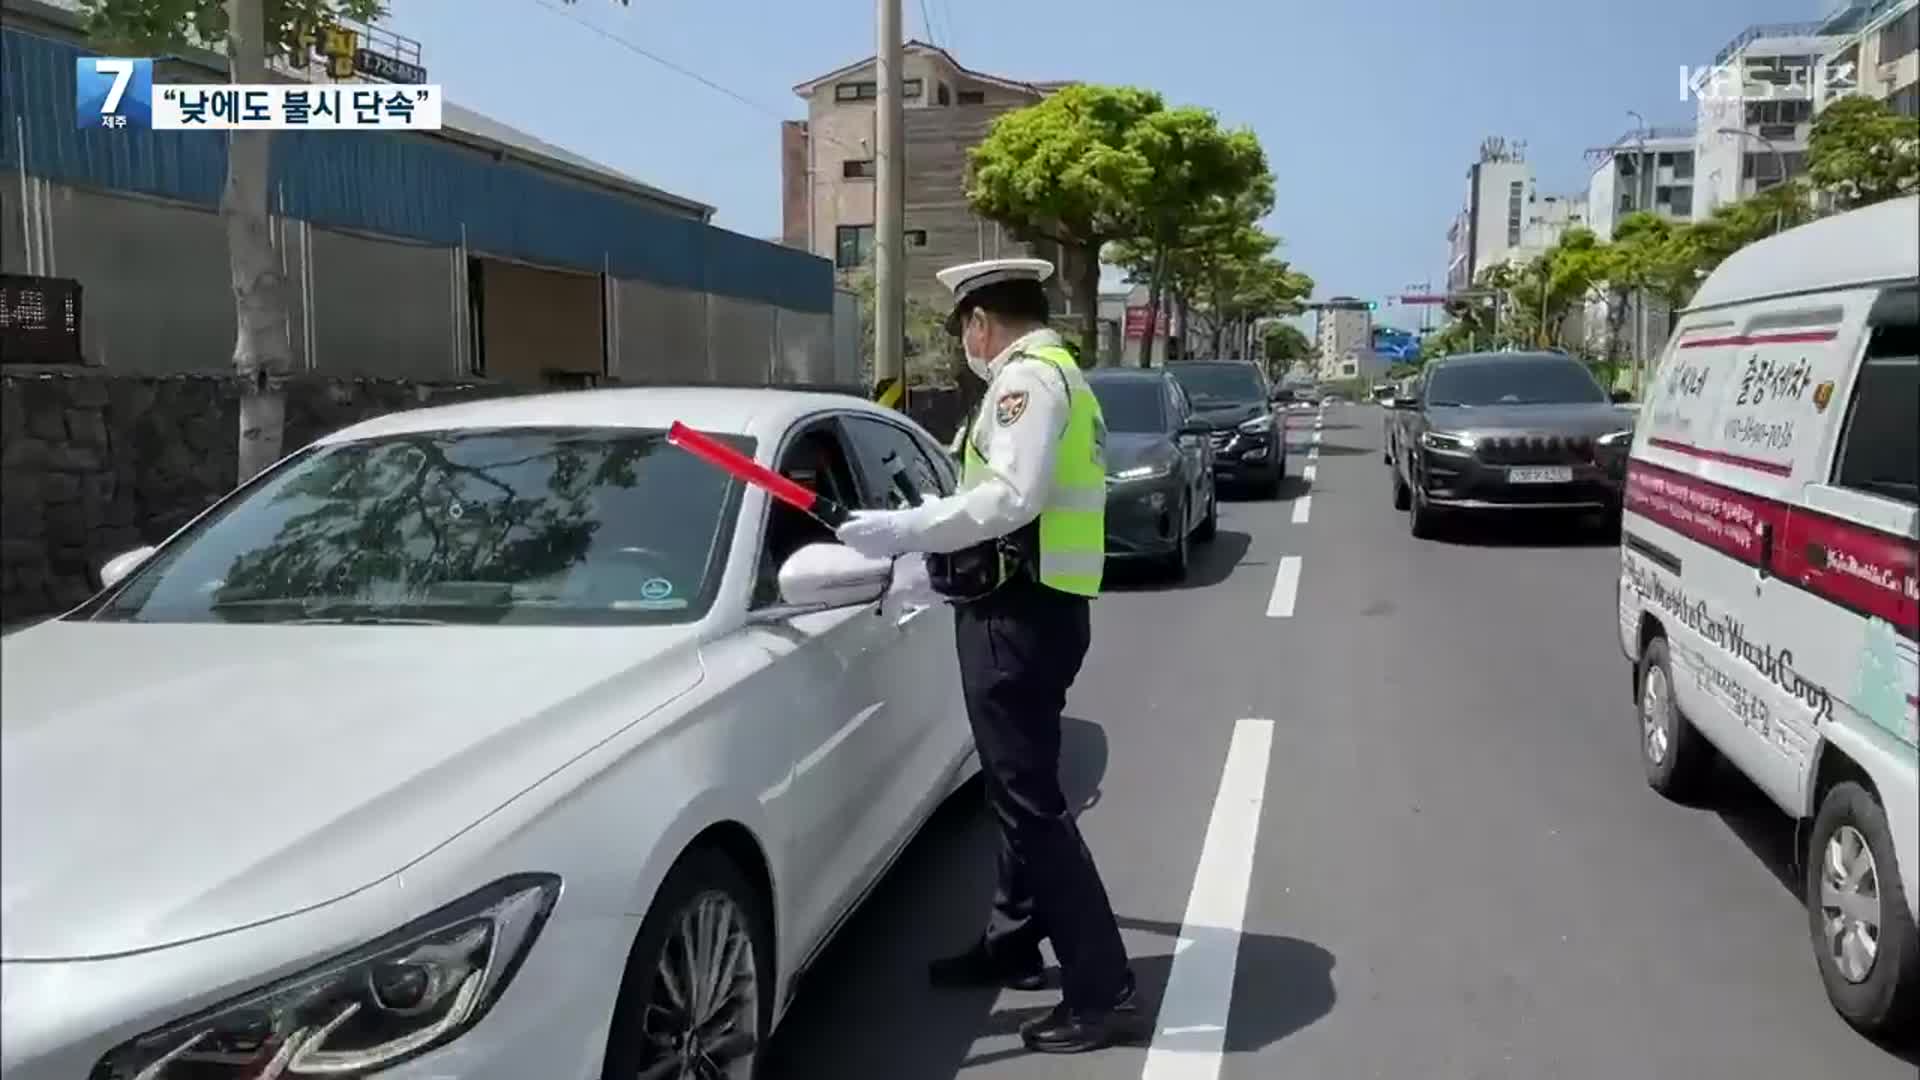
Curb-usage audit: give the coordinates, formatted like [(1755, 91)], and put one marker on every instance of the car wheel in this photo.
[(1402, 494), (1210, 525), (1422, 520), (1181, 558), (1272, 486), (1672, 751), (1862, 934), (697, 997)]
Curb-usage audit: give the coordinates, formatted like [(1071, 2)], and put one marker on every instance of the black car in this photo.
[(1249, 434), (1160, 492), (1508, 431)]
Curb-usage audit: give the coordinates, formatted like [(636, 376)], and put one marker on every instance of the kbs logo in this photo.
[(113, 92)]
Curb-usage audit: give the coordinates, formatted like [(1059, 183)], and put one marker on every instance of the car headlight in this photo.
[(1613, 440), (361, 1012), (1256, 426), (1440, 440), (1142, 472)]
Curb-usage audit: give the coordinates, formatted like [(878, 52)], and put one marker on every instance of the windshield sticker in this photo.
[(655, 589)]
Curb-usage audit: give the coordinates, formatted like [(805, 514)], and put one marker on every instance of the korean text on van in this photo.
[(1769, 591)]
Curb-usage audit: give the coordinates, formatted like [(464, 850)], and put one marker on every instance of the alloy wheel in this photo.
[(1850, 903), (703, 1019), (1656, 715)]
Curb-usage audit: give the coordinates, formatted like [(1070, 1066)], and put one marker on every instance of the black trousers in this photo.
[(1020, 649)]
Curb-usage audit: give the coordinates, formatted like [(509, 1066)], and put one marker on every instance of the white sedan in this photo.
[(498, 740)]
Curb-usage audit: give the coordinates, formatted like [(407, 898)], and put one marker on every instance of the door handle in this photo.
[(1764, 531)]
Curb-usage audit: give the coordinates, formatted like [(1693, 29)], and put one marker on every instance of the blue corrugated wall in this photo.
[(415, 187)]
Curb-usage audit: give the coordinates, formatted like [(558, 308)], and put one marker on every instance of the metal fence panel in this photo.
[(662, 334), (381, 308), (741, 337)]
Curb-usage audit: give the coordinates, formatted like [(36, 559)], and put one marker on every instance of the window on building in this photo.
[(1683, 201), (856, 91), (1665, 159), (857, 168), (972, 97), (942, 94), (1514, 191), (1777, 112), (916, 237), (1906, 101), (853, 246), (911, 88), (1901, 36), (1683, 165)]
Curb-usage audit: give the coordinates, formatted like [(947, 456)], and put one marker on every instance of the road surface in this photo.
[(1386, 792)]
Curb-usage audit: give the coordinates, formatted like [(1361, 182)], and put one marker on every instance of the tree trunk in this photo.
[(1181, 309), (1087, 295), (1154, 286), (263, 346)]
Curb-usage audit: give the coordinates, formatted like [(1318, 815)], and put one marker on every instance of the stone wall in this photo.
[(93, 464)]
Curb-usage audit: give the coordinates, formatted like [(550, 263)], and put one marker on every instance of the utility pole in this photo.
[(889, 235)]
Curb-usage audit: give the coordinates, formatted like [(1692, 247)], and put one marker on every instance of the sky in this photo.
[(1370, 112)]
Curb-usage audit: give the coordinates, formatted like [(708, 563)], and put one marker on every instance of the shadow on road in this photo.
[(1281, 985), (1336, 450), (1292, 486), (1531, 529), (1211, 564), (864, 1009)]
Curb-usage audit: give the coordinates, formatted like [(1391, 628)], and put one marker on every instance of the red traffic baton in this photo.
[(741, 467)]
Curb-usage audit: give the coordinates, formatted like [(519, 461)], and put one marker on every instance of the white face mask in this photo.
[(981, 366)]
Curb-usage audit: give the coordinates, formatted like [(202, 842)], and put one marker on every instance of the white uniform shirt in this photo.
[(1018, 429)]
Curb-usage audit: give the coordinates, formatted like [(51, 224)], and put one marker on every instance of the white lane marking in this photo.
[(1316, 436), (1313, 454), (1309, 473), (1286, 582), (1190, 1041), (1301, 507)]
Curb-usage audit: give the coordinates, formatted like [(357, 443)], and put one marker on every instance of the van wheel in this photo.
[(1675, 755), (697, 997), (1863, 935)]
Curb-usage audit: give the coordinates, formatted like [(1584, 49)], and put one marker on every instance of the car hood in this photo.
[(161, 783), (1226, 416), (1132, 450), (1587, 420)]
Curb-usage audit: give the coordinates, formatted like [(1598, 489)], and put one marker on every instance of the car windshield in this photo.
[(1132, 405), (1518, 381), (522, 526), (1227, 384)]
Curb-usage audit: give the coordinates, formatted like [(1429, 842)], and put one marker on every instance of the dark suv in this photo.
[(1249, 436), (1508, 432)]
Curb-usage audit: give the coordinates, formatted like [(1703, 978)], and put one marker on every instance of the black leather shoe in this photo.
[(1069, 1031), (979, 966)]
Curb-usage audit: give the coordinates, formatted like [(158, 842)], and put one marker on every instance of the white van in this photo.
[(1769, 590)]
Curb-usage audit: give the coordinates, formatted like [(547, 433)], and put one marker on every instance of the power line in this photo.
[(926, 23), (677, 69)]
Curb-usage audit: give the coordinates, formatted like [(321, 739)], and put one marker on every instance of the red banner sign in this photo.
[(1137, 323)]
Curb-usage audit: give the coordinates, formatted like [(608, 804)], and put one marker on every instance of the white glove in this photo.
[(877, 534), (911, 584)]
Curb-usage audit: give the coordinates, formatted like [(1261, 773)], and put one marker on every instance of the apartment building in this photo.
[(1878, 53), (1505, 219), (1755, 107), (1649, 169), (1343, 334), (828, 169)]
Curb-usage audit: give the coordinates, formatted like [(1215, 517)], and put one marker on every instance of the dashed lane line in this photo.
[(1286, 583), (1189, 1042), (1309, 473), (1302, 506)]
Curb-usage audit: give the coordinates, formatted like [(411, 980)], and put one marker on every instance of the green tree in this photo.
[(250, 33), (1206, 181), (1705, 244), (1283, 346), (1863, 152), (1068, 169)]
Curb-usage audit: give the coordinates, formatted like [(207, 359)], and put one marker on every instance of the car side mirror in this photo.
[(116, 569), (833, 575), (1196, 427), (1621, 397), (1405, 404)]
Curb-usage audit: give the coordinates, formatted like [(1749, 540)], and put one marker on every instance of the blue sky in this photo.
[(1370, 112)]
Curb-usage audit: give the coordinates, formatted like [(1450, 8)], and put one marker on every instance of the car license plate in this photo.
[(1546, 474)]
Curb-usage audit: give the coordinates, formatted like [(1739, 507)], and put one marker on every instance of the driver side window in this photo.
[(816, 458)]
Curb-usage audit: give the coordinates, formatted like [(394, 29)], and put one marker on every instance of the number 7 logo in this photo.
[(113, 92), (122, 72)]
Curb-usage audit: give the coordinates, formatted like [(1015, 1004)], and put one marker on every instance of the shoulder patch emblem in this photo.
[(1009, 407)]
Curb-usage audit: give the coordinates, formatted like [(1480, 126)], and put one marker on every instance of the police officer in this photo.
[(1031, 512)]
